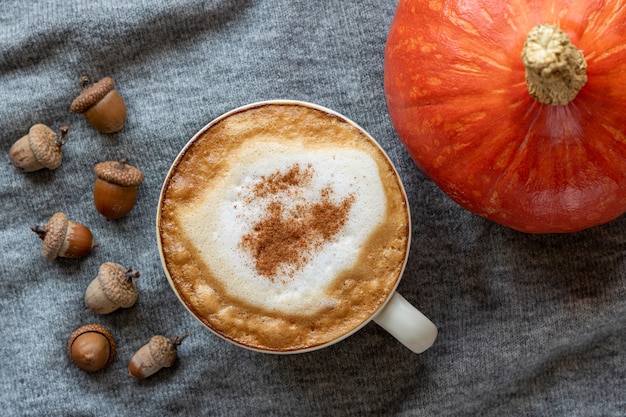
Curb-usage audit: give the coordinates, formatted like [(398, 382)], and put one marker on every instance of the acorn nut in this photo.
[(101, 104), (113, 288), (64, 238), (115, 190), (91, 347), (160, 352), (40, 148)]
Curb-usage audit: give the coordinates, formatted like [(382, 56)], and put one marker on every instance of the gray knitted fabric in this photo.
[(530, 325)]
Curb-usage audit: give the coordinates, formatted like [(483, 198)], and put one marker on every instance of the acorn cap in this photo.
[(55, 229), (93, 328), (91, 95), (163, 350), (43, 142), (117, 284), (119, 173)]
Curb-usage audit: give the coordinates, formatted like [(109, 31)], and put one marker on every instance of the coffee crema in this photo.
[(283, 227)]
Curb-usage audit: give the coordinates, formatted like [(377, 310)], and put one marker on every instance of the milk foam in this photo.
[(223, 215)]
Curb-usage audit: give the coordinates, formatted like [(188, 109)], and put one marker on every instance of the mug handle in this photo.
[(407, 324)]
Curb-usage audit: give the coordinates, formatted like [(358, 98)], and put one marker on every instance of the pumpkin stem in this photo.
[(555, 69)]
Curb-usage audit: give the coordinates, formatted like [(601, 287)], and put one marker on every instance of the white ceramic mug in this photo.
[(400, 318)]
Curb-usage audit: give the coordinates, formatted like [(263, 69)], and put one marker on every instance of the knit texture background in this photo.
[(529, 325)]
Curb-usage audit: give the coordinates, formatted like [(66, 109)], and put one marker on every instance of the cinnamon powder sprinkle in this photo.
[(284, 238), (279, 182)]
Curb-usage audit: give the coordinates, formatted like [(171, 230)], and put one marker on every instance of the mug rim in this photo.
[(246, 107)]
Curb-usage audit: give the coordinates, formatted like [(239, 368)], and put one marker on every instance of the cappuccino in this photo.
[(283, 227)]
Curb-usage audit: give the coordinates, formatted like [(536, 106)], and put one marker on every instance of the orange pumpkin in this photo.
[(515, 108)]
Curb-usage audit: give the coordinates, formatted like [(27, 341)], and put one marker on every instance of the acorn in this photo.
[(160, 352), (91, 347), (64, 238), (115, 190), (40, 148), (101, 104), (114, 287)]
